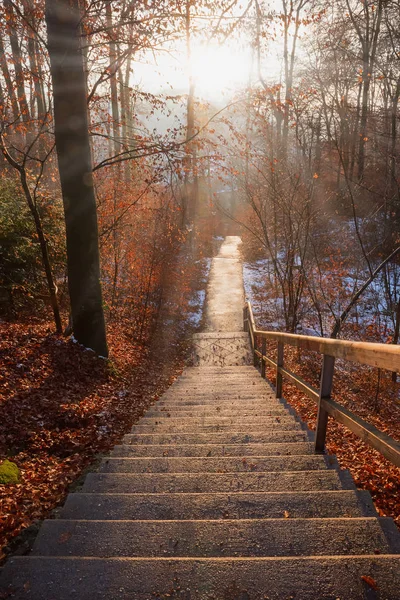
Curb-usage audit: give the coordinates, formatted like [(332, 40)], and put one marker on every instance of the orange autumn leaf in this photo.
[(370, 581)]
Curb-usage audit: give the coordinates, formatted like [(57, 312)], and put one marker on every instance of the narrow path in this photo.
[(225, 294), (215, 494), (223, 343)]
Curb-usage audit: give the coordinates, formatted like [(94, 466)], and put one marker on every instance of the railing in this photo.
[(376, 355)]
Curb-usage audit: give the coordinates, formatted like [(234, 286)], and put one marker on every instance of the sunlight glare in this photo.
[(219, 70)]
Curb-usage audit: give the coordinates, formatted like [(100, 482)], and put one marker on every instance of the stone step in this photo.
[(220, 335), (201, 412), (210, 369), (177, 427), (223, 388), (228, 400), (280, 578), (169, 425), (227, 371), (215, 450), (225, 377), (241, 371), (223, 538), (239, 401), (208, 383), (229, 354), (216, 465), (232, 505), (216, 420), (226, 437), (270, 481), (219, 396), (227, 381)]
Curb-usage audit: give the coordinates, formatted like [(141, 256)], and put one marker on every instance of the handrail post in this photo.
[(328, 368), (263, 354), (255, 357), (279, 363), (246, 318)]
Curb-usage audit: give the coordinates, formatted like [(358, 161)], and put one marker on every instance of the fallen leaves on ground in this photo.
[(61, 406), (370, 581)]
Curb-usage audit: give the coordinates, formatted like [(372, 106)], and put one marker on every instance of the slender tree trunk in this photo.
[(396, 336), (38, 93), (7, 78), (34, 61), (75, 166), (354, 136), (393, 136), (363, 121), (113, 81), (190, 170), (291, 14), (45, 254), (32, 25), (17, 58), (2, 102)]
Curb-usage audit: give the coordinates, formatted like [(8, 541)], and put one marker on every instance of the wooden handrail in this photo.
[(376, 355)]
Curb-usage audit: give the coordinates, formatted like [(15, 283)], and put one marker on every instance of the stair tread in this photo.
[(212, 464), (126, 578), (213, 437), (233, 505), (202, 482), (206, 538), (216, 449)]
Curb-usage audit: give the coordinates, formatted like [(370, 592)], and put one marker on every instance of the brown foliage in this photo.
[(61, 406)]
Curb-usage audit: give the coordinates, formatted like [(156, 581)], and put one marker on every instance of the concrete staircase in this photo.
[(214, 495)]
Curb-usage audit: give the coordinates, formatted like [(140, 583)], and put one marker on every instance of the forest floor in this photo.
[(62, 408), (369, 393)]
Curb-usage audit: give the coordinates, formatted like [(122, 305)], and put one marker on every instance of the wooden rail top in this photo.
[(384, 356), (375, 355)]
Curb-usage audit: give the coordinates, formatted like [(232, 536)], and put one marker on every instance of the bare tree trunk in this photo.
[(363, 120), (75, 166), (34, 62), (191, 190), (7, 78), (40, 101), (369, 40), (393, 135), (113, 81), (291, 13), (354, 136), (19, 75)]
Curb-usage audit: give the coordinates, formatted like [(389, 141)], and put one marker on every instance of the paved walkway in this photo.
[(224, 343), (215, 494), (225, 294)]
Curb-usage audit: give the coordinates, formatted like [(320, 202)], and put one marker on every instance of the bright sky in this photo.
[(218, 71)]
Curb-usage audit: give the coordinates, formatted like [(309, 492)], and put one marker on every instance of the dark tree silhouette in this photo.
[(63, 19)]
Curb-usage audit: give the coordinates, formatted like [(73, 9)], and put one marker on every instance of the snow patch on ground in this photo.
[(372, 315), (256, 280), (197, 301)]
